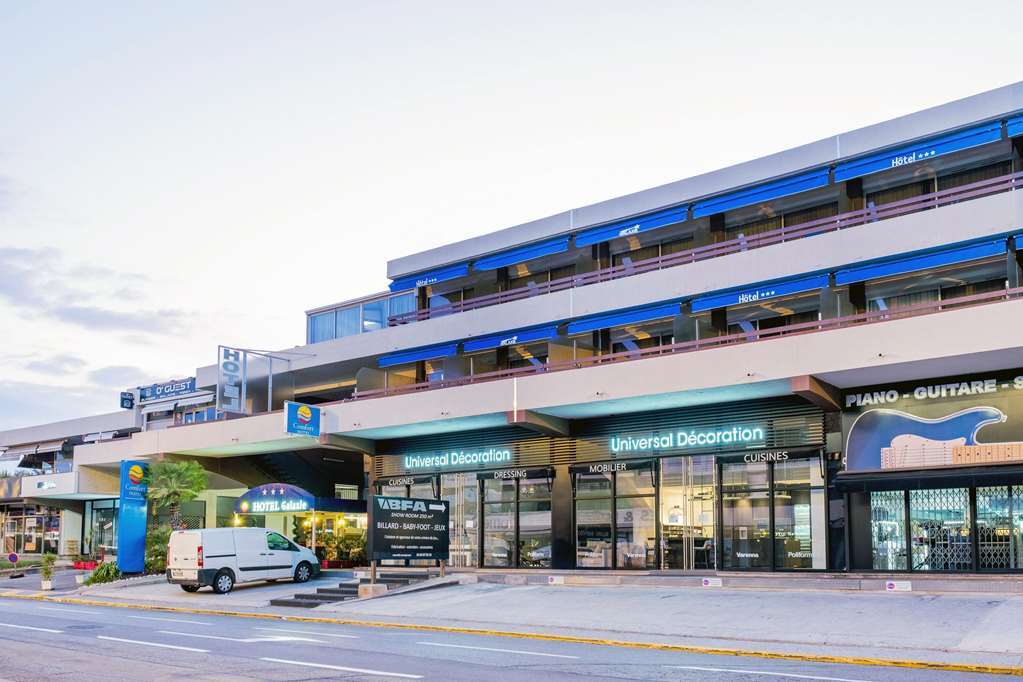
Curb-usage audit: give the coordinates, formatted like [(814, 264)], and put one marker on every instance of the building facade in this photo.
[(805, 362)]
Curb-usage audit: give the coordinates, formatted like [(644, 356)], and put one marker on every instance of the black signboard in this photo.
[(409, 528)]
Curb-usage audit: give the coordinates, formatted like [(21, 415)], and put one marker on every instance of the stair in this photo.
[(348, 590)]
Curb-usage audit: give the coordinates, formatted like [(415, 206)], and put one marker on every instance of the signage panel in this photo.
[(742, 435), (232, 364), (169, 389), (302, 420), (131, 519), (743, 296), (275, 497), (409, 528), (964, 421), (459, 458), (127, 400)]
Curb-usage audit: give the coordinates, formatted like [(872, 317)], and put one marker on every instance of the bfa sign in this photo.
[(232, 366), (302, 420)]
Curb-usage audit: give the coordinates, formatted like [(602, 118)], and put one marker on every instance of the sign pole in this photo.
[(442, 563), (369, 539), (314, 530)]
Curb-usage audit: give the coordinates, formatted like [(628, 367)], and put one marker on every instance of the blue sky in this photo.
[(178, 175)]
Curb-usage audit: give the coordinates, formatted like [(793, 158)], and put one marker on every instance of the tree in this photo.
[(172, 483)]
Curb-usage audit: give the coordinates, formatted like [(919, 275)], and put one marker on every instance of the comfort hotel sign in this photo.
[(741, 435)]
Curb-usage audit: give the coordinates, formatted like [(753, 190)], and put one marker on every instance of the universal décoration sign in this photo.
[(693, 438)]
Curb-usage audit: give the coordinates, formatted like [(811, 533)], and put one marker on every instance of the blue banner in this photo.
[(169, 389), (302, 420), (131, 518), (275, 497), (765, 291)]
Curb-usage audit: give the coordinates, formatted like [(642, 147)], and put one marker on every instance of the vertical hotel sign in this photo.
[(131, 519), (231, 385)]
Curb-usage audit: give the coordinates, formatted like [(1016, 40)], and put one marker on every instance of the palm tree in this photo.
[(172, 483)]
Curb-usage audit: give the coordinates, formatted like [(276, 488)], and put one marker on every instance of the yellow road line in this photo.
[(571, 639)]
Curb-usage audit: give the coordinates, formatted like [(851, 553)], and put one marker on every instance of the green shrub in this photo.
[(46, 567), (107, 572), (156, 548)]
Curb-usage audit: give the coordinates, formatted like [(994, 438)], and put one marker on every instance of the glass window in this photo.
[(374, 315), (460, 490), (746, 515), (402, 303), (636, 529), (687, 512), (484, 362), (534, 523), (278, 542), (533, 355), (967, 177), (348, 321), (593, 485), (996, 529), (498, 534), (639, 481), (321, 327), (940, 529), (593, 541)]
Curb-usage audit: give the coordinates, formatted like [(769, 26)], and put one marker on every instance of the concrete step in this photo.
[(344, 590), (294, 601), (391, 580)]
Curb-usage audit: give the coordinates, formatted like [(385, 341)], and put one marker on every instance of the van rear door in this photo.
[(183, 554)]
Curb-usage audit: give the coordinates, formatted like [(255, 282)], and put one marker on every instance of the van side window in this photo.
[(278, 542)]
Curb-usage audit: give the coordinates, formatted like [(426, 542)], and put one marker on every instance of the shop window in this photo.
[(998, 528), (499, 523), (517, 522), (616, 521), (972, 175), (746, 515), (794, 536), (593, 510), (687, 512), (534, 523), (940, 530), (888, 529), (461, 493)]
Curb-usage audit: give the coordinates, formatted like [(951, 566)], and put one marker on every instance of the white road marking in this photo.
[(243, 640), (342, 668), (29, 627), (172, 620), (309, 632), (503, 651), (156, 644), (763, 672), (68, 610)]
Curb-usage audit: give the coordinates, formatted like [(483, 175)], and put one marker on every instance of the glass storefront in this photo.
[(30, 529), (462, 494), (616, 521), (100, 528), (688, 512)]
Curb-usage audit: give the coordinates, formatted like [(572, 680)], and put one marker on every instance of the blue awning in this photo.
[(432, 277), (906, 264), (624, 228), (1014, 126), (510, 338), (443, 350), (761, 193), (919, 151), (616, 319), (760, 292), (522, 254)]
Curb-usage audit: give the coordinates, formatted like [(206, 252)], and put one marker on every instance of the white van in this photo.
[(221, 557)]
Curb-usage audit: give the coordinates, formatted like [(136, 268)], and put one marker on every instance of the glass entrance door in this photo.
[(688, 513)]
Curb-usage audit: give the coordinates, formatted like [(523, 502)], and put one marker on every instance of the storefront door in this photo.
[(688, 517)]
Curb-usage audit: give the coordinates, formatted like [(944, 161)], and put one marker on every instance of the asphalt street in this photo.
[(50, 641)]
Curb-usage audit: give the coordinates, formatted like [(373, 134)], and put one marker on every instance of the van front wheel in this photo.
[(223, 582), (303, 572)]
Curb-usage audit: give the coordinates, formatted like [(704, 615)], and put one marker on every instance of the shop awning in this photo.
[(274, 498), (169, 405), (761, 193), (618, 318), (510, 338), (630, 226), (443, 350), (935, 477), (1014, 126), (423, 279), (522, 254), (922, 261), (33, 449), (908, 154), (760, 293)]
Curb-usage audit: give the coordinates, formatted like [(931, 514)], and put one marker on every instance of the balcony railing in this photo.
[(859, 319), (870, 214)]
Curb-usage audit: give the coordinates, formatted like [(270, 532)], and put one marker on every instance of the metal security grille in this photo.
[(785, 423), (888, 529), (940, 529)]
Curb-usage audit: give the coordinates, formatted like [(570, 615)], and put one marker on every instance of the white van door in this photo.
[(252, 554), (280, 556)]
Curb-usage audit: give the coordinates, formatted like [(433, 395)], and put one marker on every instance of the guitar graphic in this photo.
[(883, 428)]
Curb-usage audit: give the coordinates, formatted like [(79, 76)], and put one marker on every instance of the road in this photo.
[(51, 641)]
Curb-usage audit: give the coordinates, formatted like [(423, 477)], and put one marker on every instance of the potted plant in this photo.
[(46, 571)]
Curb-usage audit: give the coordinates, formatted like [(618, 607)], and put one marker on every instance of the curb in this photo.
[(812, 658)]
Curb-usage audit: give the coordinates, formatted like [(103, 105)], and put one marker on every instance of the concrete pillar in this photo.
[(1013, 263), (562, 513)]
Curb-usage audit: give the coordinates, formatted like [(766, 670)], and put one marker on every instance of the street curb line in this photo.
[(571, 639)]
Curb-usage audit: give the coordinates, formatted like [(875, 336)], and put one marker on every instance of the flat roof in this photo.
[(935, 120)]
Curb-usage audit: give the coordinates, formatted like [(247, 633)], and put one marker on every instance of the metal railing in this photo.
[(870, 214), (870, 317)]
